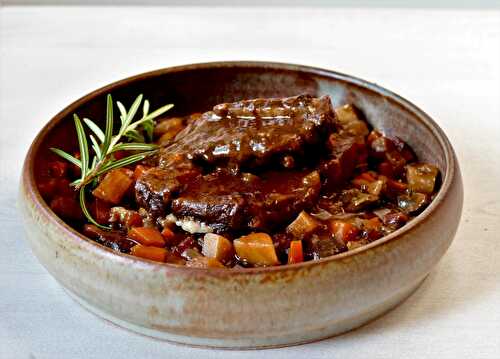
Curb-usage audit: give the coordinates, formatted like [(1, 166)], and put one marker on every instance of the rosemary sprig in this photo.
[(105, 144)]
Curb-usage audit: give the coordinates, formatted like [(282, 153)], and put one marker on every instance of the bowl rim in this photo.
[(28, 182)]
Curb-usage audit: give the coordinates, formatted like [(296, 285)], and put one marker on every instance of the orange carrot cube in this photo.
[(147, 236), (151, 253), (114, 186), (295, 253)]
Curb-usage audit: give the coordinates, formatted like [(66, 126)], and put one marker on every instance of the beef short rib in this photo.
[(252, 133), (228, 202)]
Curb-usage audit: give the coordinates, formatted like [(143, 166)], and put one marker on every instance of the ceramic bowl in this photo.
[(247, 308)]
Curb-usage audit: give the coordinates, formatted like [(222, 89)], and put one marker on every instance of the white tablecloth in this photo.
[(447, 62)]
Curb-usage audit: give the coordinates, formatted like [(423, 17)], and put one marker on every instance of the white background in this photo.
[(446, 61)]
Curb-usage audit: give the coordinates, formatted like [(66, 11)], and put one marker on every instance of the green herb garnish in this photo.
[(132, 136)]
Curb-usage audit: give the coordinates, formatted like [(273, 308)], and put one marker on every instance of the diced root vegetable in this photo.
[(343, 231), (369, 182), (147, 236), (412, 203), (372, 227), (421, 177), (167, 234), (350, 122), (204, 262), (295, 253), (114, 186), (303, 226), (376, 187), (218, 247), (151, 253), (354, 200), (257, 249)]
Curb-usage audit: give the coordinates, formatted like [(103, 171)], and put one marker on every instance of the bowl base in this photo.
[(323, 332)]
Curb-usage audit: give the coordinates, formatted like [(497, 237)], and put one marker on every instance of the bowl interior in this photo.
[(196, 88)]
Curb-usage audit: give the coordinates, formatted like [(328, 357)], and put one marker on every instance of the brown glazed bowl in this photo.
[(247, 308)]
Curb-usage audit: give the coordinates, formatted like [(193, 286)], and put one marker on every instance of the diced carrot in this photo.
[(204, 262), (147, 236), (133, 219), (257, 249), (139, 170), (218, 247), (114, 186), (151, 253), (295, 253), (167, 233), (343, 231)]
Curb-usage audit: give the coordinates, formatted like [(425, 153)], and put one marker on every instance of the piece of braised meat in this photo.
[(156, 187), (228, 202), (346, 153), (253, 133)]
